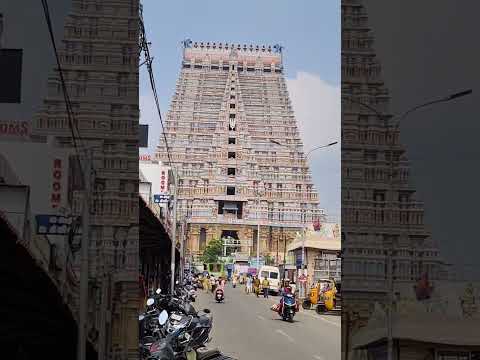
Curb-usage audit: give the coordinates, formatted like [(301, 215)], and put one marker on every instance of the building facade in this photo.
[(230, 103), (322, 253), (99, 57), (382, 221)]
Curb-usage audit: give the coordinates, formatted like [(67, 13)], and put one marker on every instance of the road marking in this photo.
[(318, 357), (305, 312), (321, 318), (286, 335), (260, 317)]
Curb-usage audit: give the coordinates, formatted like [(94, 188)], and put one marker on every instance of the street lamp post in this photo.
[(392, 143), (284, 255), (258, 194), (182, 248), (83, 306), (174, 230), (304, 219)]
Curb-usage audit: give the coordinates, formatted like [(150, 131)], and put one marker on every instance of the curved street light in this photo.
[(402, 117), (310, 151), (304, 227)]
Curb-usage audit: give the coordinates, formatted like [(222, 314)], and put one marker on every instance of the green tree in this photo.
[(212, 251), (269, 260)]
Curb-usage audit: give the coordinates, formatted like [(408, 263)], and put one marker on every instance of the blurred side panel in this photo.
[(43, 146), (410, 280)]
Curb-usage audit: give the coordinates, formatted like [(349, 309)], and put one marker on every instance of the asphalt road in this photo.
[(245, 328)]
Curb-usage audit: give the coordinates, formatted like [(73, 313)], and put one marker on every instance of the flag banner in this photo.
[(423, 289)]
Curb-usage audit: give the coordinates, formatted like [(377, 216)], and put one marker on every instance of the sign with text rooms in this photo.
[(56, 225)]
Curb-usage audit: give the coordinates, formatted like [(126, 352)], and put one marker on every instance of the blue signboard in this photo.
[(253, 262), (298, 260), (56, 225), (161, 198)]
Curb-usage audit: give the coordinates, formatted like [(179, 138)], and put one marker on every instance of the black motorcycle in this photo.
[(289, 307), (171, 328), (168, 347)]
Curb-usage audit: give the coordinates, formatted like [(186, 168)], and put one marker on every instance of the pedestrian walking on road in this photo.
[(206, 284), (213, 284), (265, 287), (256, 286), (248, 287)]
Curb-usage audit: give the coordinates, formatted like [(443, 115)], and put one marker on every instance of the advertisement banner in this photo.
[(14, 130), (240, 269), (155, 173), (47, 176), (57, 225), (253, 262)]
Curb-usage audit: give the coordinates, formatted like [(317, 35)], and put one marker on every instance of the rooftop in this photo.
[(216, 52), (315, 240)]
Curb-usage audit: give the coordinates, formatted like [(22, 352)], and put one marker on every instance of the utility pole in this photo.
[(277, 260), (303, 287), (103, 314), (258, 194), (304, 219), (284, 255), (182, 247), (258, 248), (390, 307), (83, 308), (174, 231)]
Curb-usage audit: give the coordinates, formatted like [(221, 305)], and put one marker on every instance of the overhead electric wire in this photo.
[(148, 61), (71, 121)]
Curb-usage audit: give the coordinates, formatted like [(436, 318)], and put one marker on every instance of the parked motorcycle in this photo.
[(171, 328), (165, 349)]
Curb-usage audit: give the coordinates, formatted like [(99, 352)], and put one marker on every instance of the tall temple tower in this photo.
[(230, 103), (99, 58), (382, 220)]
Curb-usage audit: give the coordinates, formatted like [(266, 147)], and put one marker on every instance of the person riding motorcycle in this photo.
[(221, 284), (286, 290)]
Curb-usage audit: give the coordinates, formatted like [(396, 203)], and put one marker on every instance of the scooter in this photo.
[(289, 308), (219, 296)]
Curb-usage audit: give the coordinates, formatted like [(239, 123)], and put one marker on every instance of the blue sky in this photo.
[(310, 34)]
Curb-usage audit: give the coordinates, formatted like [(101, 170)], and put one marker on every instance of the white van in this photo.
[(272, 273)]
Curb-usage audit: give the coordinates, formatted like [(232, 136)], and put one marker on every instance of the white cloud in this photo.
[(317, 109)]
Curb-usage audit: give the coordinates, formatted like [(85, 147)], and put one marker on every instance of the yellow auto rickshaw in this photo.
[(318, 292), (329, 299)]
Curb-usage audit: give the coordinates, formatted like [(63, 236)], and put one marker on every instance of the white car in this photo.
[(272, 273)]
